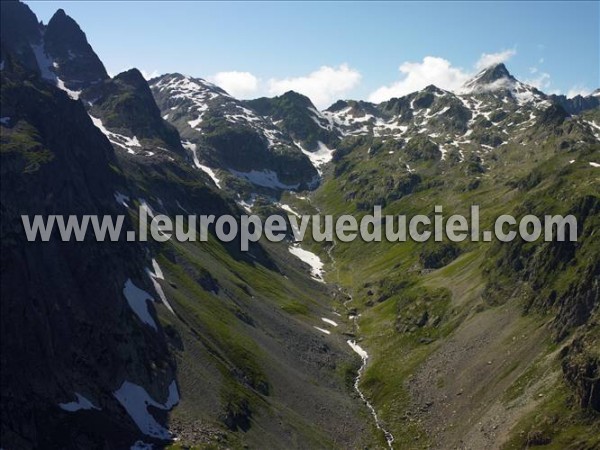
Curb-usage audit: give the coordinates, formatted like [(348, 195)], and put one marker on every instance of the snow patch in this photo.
[(323, 331), (210, 172), (593, 164), (81, 403), (155, 275), (358, 350), (288, 208), (309, 258), (320, 157), (122, 141), (44, 62), (121, 199), (73, 94), (329, 321), (138, 301), (135, 399), (264, 178)]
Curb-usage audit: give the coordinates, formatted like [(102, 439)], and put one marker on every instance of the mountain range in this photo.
[(200, 345)]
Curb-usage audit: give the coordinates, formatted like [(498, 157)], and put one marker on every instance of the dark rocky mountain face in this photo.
[(124, 104), (297, 116), (67, 329), (100, 367), (577, 104), (19, 31), (232, 353), (74, 60), (59, 51), (226, 134), (490, 75)]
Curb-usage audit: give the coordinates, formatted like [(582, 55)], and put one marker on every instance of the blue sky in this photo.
[(330, 50)]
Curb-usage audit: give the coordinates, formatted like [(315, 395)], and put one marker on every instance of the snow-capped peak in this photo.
[(492, 78)]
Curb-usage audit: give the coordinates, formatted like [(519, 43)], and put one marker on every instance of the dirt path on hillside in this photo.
[(457, 393)]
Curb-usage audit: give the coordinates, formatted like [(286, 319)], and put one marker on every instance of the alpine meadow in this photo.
[(252, 335)]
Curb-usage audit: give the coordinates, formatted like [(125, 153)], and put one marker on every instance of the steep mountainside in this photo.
[(224, 134), (182, 344), (474, 344), (132, 343), (69, 337)]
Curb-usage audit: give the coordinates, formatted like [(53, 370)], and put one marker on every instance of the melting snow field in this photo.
[(44, 63), (138, 301), (329, 321), (320, 157), (247, 204), (358, 350), (81, 403), (264, 178), (323, 331), (135, 399), (211, 173), (288, 208), (122, 141), (158, 275), (309, 258), (593, 164), (121, 199)]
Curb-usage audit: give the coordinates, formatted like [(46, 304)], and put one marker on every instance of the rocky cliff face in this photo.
[(109, 344), (227, 135), (68, 332), (125, 106), (297, 116), (101, 346), (73, 59)]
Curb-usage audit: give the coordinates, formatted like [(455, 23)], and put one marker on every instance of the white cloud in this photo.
[(238, 84), (541, 81), (437, 71), (323, 86), (489, 59), (578, 90), (417, 75)]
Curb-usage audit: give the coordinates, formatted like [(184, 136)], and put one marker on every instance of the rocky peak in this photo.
[(577, 104), (554, 115), (338, 106), (74, 60), (299, 99), (433, 89), (492, 78), (126, 104), (19, 30), (133, 77), (495, 72)]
